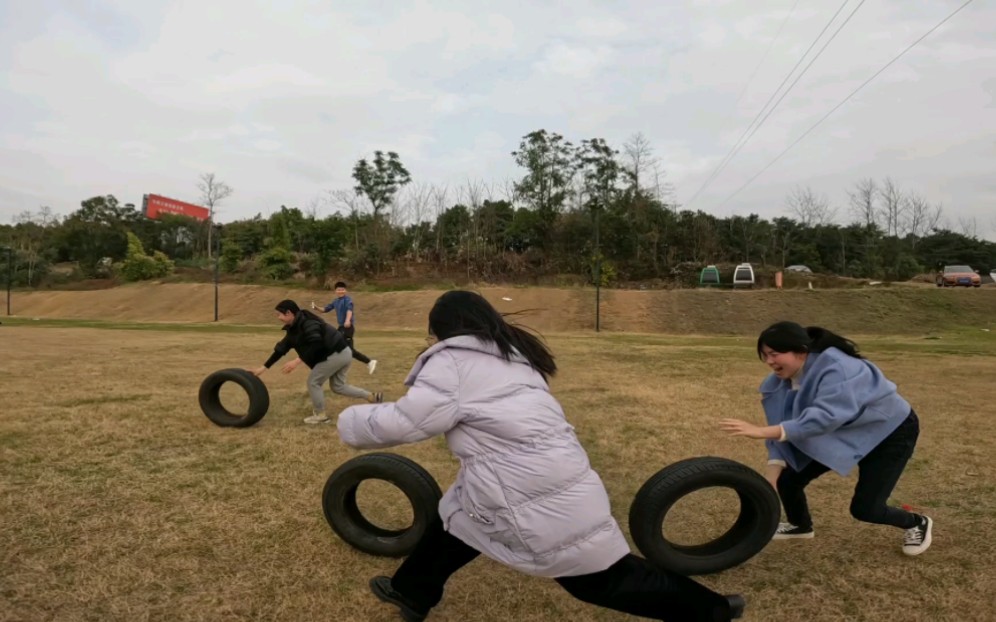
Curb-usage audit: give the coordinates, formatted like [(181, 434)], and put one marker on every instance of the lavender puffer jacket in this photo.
[(525, 495)]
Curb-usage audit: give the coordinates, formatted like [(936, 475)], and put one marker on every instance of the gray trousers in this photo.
[(333, 368)]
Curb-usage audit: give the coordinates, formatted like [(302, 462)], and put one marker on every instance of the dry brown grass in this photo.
[(119, 500)]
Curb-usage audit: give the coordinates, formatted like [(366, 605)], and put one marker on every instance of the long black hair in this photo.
[(791, 337), (460, 312)]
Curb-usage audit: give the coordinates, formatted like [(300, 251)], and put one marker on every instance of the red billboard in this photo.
[(153, 205)]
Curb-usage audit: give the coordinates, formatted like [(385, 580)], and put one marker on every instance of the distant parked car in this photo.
[(743, 275), (799, 268), (958, 275)]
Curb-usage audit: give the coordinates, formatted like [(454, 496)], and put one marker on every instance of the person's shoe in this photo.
[(788, 531), (381, 588), (917, 539), (376, 398), (316, 419), (372, 365), (737, 604)]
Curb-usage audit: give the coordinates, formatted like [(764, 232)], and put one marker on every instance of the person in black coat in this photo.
[(321, 348)]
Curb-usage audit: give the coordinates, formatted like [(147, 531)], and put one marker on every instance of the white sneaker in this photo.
[(314, 419), (917, 539), (788, 531), (372, 365)]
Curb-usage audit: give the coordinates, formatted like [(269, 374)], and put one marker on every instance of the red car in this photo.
[(954, 276)]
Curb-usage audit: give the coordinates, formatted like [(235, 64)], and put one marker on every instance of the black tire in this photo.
[(760, 510), (346, 520), (210, 398)]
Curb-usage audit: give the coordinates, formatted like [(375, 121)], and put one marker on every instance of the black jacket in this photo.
[(311, 337)]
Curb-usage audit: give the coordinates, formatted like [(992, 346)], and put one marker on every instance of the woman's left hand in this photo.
[(735, 427)]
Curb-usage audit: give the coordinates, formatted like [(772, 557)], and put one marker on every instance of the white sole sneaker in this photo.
[(316, 419), (925, 544), (788, 531)]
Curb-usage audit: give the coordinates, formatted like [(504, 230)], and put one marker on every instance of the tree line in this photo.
[(574, 207)]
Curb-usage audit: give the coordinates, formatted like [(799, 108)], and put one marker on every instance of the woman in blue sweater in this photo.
[(829, 409)]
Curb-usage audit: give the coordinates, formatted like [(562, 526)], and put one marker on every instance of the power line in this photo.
[(791, 86), (794, 82), (750, 80), (844, 101)]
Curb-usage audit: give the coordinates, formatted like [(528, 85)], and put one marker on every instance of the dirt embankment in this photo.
[(897, 310)]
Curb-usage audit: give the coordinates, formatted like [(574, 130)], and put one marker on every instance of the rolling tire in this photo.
[(210, 398), (346, 520), (760, 510)]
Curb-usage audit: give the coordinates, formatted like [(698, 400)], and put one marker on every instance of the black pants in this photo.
[(631, 585), (348, 334), (878, 474)]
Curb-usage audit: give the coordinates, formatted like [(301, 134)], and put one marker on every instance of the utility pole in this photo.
[(10, 272), (217, 262), (598, 276)]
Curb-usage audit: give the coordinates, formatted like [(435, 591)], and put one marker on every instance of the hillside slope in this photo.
[(898, 310)]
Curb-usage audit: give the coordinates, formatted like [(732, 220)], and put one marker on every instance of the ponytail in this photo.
[(821, 339), (791, 337)]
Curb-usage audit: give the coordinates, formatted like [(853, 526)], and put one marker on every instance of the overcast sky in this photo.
[(280, 98)]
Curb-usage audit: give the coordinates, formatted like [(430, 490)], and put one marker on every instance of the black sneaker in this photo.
[(788, 531), (917, 539), (737, 604), (381, 588)]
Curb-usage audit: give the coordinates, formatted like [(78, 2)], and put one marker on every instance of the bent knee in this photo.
[(867, 513)]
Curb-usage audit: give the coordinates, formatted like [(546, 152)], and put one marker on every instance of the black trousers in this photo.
[(348, 334), (631, 585), (878, 473)]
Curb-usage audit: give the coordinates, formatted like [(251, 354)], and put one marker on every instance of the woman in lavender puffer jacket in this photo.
[(526, 495)]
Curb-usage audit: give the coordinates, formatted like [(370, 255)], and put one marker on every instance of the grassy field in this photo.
[(119, 500)]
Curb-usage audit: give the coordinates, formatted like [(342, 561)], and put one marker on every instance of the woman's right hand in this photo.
[(258, 371)]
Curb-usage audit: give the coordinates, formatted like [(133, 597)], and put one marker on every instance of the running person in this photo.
[(322, 349), (343, 307)]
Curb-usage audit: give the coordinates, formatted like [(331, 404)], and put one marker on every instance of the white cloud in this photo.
[(262, 77), (281, 100), (575, 61)]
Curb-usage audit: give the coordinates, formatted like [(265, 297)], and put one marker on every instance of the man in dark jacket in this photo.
[(321, 348)]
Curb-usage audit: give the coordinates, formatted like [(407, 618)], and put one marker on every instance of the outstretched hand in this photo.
[(735, 427)]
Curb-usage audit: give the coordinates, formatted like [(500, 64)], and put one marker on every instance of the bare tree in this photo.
[(863, 201), (441, 201), (892, 206), (417, 201), (576, 193), (506, 190), (809, 209), (639, 159), (921, 217), (413, 207), (472, 195), (969, 227), (344, 201), (313, 207), (213, 192), (663, 189), (347, 202)]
